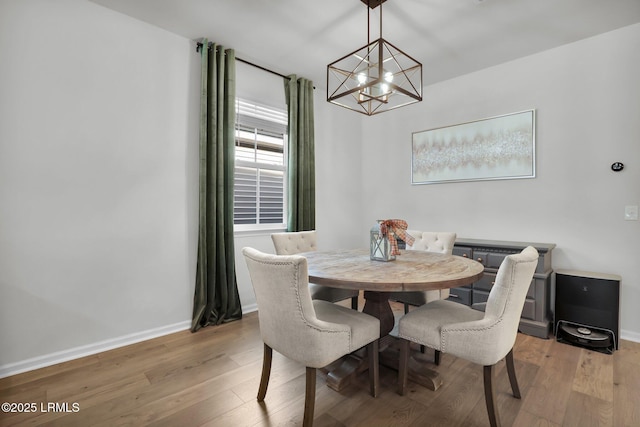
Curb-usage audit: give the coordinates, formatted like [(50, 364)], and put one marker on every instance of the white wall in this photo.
[(587, 101), (98, 180), (98, 173), (338, 175)]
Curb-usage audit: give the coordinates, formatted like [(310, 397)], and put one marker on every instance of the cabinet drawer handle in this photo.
[(479, 259), (465, 256), (453, 296)]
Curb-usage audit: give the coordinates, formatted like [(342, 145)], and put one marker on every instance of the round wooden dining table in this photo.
[(410, 271)]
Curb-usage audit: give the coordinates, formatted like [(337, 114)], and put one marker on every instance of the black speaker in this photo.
[(587, 309)]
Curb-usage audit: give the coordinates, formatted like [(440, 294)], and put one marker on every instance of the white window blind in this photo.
[(260, 167)]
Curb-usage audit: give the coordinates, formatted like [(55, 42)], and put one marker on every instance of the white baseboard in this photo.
[(250, 308), (89, 349), (630, 336), (98, 347)]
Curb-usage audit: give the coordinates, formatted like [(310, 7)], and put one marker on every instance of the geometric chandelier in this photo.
[(377, 77)]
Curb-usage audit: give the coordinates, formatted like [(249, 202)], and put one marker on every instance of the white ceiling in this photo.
[(449, 37)]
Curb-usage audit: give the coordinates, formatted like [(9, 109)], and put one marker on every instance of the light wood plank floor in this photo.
[(211, 378)]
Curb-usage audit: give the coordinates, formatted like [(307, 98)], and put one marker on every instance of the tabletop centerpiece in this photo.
[(384, 235)]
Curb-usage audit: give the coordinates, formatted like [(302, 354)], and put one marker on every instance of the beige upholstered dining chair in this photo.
[(439, 242), (314, 333), (485, 337), (295, 242)]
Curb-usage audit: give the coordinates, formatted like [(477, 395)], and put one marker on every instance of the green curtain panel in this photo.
[(301, 196), (216, 298)]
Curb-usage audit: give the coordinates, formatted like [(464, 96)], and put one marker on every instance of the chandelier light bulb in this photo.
[(388, 76), (362, 78)]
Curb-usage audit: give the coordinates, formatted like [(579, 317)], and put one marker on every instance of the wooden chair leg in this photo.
[(354, 303), (511, 370), (490, 396), (436, 358), (309, 397), (374, 367), (403, 369), (266, 372)]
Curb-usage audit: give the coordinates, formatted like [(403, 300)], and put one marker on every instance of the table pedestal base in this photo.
[(419, 363), (377, 305), (341, 373)]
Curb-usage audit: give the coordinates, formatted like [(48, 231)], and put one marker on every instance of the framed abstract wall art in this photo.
[(501, 147)]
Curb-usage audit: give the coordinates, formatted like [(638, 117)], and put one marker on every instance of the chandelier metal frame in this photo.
[(375, 78)]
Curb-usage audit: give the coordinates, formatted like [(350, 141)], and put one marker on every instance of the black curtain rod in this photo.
[(263, 69), (199, 46)]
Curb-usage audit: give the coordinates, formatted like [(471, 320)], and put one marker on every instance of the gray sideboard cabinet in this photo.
[(536, 316)]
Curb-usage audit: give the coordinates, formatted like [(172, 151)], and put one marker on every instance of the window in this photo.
[(260, 167)]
